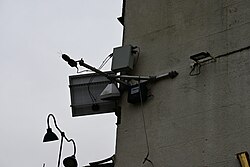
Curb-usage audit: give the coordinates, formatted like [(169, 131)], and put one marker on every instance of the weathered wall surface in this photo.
[(191, 121)]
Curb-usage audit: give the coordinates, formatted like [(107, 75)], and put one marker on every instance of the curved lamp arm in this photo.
[(62, 133), (74, 144), (54, 118)]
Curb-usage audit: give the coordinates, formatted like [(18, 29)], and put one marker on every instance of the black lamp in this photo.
[(51, 136), (70, 161)]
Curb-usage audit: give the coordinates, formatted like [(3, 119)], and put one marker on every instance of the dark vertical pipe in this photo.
[(60, 151)]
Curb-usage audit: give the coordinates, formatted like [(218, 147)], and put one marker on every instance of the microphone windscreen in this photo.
[(65, 57)]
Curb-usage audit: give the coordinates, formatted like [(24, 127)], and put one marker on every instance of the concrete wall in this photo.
[(191, 121)]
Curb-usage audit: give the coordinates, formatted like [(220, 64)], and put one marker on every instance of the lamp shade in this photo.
[(70, 161), (50, 136)]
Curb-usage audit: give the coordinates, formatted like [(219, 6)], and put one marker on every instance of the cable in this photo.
[(144, 126), (89, 91), (104, 62), (232, 52), (198, 64), (139, 51), (193, 68)]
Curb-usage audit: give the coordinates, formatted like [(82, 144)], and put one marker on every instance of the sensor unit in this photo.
[(137, 93), (123, 59)]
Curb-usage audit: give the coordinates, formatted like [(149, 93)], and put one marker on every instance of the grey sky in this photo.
[(34, 79)]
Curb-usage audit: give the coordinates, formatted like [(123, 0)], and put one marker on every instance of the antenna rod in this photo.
[(110, 77)]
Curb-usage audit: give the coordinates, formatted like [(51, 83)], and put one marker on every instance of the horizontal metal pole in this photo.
[(81, 63), (134, 77), (111, 77), (162, 76)]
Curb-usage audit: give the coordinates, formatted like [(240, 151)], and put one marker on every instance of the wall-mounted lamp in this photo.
[(200, 56), (243, 158), (51, 136), (199, 59)]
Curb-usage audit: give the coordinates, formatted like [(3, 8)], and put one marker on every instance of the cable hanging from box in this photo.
[(196, 67), (138, 53), (104, 62), (144, 127), (89, 91)]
